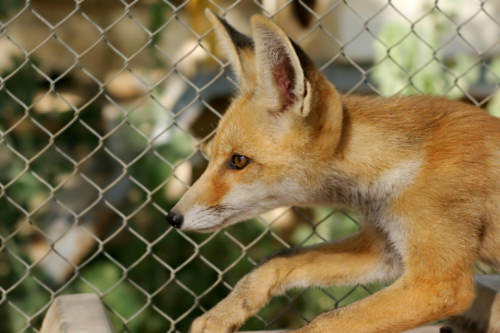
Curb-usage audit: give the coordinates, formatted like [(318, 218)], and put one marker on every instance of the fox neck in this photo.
[(355, 171)]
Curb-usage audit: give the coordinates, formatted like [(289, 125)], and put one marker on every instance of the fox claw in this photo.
[(209, 323)]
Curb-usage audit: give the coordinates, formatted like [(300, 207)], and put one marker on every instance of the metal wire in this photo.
[(68, 202)]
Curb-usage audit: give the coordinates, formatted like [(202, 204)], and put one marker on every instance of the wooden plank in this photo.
[(491, 282), (77, 313)]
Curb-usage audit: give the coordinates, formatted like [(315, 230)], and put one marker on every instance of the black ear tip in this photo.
[(304, 59), (211, 15), (239, 40), (209, 12)]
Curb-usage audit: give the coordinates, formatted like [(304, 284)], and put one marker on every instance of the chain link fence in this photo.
[(104, 106)]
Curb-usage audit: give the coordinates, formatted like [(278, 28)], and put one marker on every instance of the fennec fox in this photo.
[(424, 172)]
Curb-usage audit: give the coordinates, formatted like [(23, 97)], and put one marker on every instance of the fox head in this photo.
[(275, 138)]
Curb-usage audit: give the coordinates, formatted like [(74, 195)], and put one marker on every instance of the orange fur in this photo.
[(424, 172)]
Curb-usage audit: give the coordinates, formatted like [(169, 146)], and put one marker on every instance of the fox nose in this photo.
[(175, 219)]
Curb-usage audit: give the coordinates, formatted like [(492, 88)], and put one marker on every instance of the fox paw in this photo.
[(211, 323)]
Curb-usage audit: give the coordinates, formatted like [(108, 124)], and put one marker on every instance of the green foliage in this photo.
[(158, 16), (332, 225), (8, 6), (121, 297), (26, 294), (493, 76), (408, 60)]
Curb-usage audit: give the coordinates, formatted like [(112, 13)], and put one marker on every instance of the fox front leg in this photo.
[(410, 302), (320, 265), (437, 282), (248, 296)]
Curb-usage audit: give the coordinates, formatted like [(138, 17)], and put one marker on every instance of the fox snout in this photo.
[(175, 219)]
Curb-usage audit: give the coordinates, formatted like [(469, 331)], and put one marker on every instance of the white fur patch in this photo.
[(306, 104), (390, 268), (373, 199), (242, 202), (393, 180), (390, 185), (196, 218), (271, 46)]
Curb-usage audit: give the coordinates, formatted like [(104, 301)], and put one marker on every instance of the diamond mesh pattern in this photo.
[(104, 108)]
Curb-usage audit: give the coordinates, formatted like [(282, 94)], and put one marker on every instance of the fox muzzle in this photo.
[(175, 219)]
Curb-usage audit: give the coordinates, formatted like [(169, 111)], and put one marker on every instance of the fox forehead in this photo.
[(250, 128), (241, 130)]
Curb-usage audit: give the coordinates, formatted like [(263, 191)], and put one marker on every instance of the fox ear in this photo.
[(239, 49), (280, 76)]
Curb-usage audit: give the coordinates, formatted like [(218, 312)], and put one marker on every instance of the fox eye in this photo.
[(238, 161)]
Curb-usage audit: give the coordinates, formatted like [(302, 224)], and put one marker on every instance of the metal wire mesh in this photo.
[(104, 107)]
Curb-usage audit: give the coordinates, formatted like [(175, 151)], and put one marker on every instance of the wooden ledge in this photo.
[(78, 313)]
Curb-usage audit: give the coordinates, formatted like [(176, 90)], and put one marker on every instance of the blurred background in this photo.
[(104, 106)]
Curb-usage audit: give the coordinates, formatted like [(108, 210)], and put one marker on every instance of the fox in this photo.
[(423, 172)]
